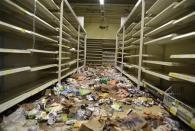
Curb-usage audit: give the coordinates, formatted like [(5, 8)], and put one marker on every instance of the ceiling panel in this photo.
[(114, 9)]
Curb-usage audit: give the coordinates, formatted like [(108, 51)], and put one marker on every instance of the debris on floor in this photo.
[(95, 99)]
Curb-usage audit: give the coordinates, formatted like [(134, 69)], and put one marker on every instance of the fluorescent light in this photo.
[(101, 2)]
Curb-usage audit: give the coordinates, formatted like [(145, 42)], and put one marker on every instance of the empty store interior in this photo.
[(65, 46)]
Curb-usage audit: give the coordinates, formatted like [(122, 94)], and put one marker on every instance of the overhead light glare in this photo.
[(101, 2)]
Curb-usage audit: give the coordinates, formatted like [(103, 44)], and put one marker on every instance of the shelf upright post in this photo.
[(78, 47), (116, 50), (60, 42), (141, 43), (123, 44), (34, 23), (85, 50)]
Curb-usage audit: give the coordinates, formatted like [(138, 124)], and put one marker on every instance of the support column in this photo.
[(60, 42), (116, 51), (85, 50), (78, 47), (141, 43), (123, 44)]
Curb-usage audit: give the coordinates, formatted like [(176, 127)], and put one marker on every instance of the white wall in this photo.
[(94, 32)]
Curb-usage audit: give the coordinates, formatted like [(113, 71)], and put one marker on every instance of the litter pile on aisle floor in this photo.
[(95, 99)]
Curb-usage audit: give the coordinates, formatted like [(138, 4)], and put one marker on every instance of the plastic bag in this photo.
[(17, 118)]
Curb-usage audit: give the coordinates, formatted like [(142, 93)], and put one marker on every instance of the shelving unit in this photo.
[(129, 42), (100, 51), (27, 14), (108, 52), (168, 39), (94, 52), (37, 47), (160, 53), (42, 42), (73, 39)]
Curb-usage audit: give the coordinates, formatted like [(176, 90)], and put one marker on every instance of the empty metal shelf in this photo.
[(135, 56), (17, 51), (131, 77), (35, 88), (69, 63), (41, 10), (145, 83), (158, 6), (185, 77), (26, 14), (165, 14), (42, 67), (183, 56), (42, 51), (8, 27), (131, 47), (162, 40), (162, 63), (14, 70), (129, 28), (50, 4), (159, 75)]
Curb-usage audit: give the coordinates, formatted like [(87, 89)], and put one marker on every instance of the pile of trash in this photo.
[(95, 99)]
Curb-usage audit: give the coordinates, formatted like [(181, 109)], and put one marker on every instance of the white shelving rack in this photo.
[(129, 42), (165, 40), (37, 47), (108, 54), (94, 52), (100, 52), (75, 39)]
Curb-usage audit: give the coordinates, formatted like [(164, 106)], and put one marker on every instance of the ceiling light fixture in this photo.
[(101, 2)]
